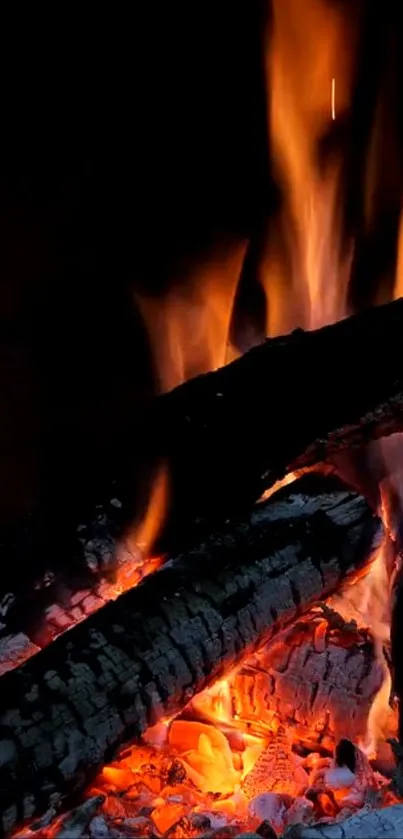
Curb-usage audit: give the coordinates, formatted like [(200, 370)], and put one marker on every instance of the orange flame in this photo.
[(188, 328), (303, 63), (144, 534)]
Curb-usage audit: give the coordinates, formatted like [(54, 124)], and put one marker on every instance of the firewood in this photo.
[(142, 657), (289, 403), (366, 824)]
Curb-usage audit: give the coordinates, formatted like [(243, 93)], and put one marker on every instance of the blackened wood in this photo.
[(291, 402), (142, 657)]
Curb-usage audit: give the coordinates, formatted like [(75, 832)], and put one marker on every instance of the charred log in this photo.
[(230, 434), (320, 677), (32, 622), (65, 712)]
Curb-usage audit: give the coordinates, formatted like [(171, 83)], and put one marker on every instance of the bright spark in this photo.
[(333, 99)]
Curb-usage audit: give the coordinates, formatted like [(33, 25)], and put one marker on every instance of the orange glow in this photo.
[(288, 479), (220, 757)]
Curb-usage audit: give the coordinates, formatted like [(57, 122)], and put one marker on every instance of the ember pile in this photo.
[(261, 750)]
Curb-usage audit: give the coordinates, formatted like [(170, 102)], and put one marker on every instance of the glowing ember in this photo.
[(257, 745)]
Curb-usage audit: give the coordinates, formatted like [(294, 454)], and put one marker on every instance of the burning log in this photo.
[(230, 434), (65, 712)]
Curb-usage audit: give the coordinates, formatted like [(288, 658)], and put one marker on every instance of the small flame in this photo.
[(144, 534), (188, 328)]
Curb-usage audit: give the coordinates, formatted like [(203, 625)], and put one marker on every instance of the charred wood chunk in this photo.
[(320, 676)]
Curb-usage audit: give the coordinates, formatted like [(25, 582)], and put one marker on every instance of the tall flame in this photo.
[(303, 63)]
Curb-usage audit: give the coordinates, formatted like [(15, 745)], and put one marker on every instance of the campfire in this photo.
[(241, 672)]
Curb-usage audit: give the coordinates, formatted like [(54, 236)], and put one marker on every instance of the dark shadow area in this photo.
[(130, 145)]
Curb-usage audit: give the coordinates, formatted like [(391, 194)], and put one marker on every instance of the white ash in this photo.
[(217, 820), (13, 649), (6, 603), (98, 828), (366, 824), (271, 807), (59, 616), (300, 811), (79, 596), (77, 820), (339, 776)]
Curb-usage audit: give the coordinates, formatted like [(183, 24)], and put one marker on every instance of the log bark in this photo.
[(289, 403), (30, 623), (366, 824), (66, 711)]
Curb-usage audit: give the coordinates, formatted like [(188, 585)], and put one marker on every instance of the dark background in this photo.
[(130, 144)]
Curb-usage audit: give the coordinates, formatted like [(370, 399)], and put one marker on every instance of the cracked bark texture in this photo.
[(320, 676), (66, 711), (228, 435), (366, 824)]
